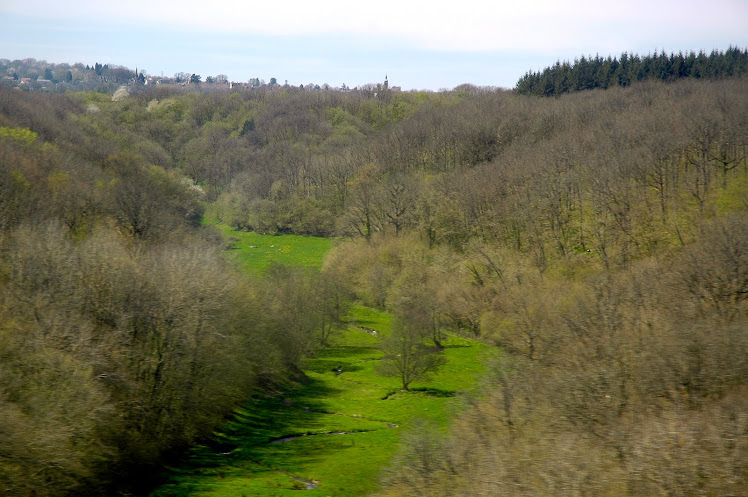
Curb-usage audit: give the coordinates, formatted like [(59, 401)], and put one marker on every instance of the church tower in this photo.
[(386, 83)]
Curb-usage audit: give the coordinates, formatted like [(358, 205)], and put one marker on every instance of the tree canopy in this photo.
[(588, 73)]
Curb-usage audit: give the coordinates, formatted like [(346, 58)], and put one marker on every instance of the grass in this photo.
[(256, 252), (348, 424)]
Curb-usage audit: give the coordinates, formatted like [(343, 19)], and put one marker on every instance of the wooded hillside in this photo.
[(598, 239)]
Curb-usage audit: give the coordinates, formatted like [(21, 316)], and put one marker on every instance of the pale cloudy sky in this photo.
[(418, 44)]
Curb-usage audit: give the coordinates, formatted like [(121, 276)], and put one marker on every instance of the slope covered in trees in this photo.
[(124, 334), (597, 238), (612, 383)]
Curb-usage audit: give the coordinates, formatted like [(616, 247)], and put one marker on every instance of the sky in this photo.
[(417, 44)]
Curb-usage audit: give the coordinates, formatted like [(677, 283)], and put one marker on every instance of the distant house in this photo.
[(25, 81)]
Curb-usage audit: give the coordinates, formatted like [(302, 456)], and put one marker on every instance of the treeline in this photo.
[(588, 73), (124, 335)]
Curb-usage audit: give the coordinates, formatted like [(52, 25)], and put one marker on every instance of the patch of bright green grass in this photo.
[(257, 252), (366, 317)]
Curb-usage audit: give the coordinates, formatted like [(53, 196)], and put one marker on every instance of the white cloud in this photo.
[(540, 25)]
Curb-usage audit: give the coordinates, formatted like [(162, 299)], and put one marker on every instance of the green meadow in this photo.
[(335, 431), (256, 252)]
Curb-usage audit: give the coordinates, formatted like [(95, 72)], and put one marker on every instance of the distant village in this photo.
[(35, 75)]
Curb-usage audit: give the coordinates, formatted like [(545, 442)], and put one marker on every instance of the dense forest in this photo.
[(598, 239), (588, 73)]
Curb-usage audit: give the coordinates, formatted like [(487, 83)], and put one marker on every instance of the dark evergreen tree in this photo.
[(587, 73)]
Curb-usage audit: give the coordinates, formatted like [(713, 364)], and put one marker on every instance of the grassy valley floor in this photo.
[(333, 433)]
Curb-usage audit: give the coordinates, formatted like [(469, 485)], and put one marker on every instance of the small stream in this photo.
[(310, 484), (294, 437)]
